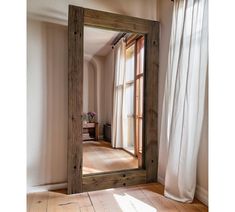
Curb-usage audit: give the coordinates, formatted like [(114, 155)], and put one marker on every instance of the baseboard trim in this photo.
[(161, 180), (46, 187), (201, 194)]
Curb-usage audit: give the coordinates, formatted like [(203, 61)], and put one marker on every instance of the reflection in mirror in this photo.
[(112, 100)]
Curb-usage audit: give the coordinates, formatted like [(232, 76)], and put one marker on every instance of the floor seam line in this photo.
[(91, 201)]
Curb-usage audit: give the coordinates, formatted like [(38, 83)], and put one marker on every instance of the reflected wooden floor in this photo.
[(99, 156), (147, 198)]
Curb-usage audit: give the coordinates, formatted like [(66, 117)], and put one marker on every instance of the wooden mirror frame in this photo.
[(78, 18)]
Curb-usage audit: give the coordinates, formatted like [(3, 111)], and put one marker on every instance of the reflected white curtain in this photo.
[(184, 94), (118, 95)]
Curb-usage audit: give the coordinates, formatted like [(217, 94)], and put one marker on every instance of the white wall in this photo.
[(46, 103), (85, 85), (99, 62), (57, 11), (94, 88), (89, 87), (108, 80), (165, 16)]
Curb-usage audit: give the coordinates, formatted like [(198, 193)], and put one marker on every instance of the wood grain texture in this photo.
[(150, 127), (37, 202), (60, 202), (141, 198), (113, 179), (77, 18), (75, 30), (100, 157), (116, 22)]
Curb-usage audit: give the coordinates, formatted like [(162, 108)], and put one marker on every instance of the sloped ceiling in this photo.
[(98, 41)]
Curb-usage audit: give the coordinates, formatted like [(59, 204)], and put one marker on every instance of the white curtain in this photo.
[(184, 94), (118, 95)]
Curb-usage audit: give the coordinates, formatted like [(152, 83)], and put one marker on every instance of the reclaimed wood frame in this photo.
[(78, 18)]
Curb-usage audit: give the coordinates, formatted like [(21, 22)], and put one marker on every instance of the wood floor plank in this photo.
[(152, 189), (137, 199), (103, 201), (194, 206), (122, 199), (37, 202), (87, 209), (141, 198), (155, 193), (99, 156), (62, 202), (163, 206)]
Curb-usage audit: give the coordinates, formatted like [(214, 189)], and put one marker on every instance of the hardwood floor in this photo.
[(142, 198), (99, 156)]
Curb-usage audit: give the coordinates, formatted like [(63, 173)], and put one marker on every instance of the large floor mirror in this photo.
[(113, 76), (113, 85)]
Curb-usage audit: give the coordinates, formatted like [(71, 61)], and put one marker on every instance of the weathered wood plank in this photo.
[(151, 103), (115, 21), (37, 202), (63, 202), (75, 30), (113, 180), (147, 197), (121, 199)]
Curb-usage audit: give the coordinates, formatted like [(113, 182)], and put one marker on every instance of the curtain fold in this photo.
[(183, 103), (118, 95)]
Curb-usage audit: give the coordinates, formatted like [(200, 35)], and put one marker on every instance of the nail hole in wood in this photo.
[(75, 167), (152, 161), (124, 184), (75, 33), (124, 175)]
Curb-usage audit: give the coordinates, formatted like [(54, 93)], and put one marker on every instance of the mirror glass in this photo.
[(112, 100)]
